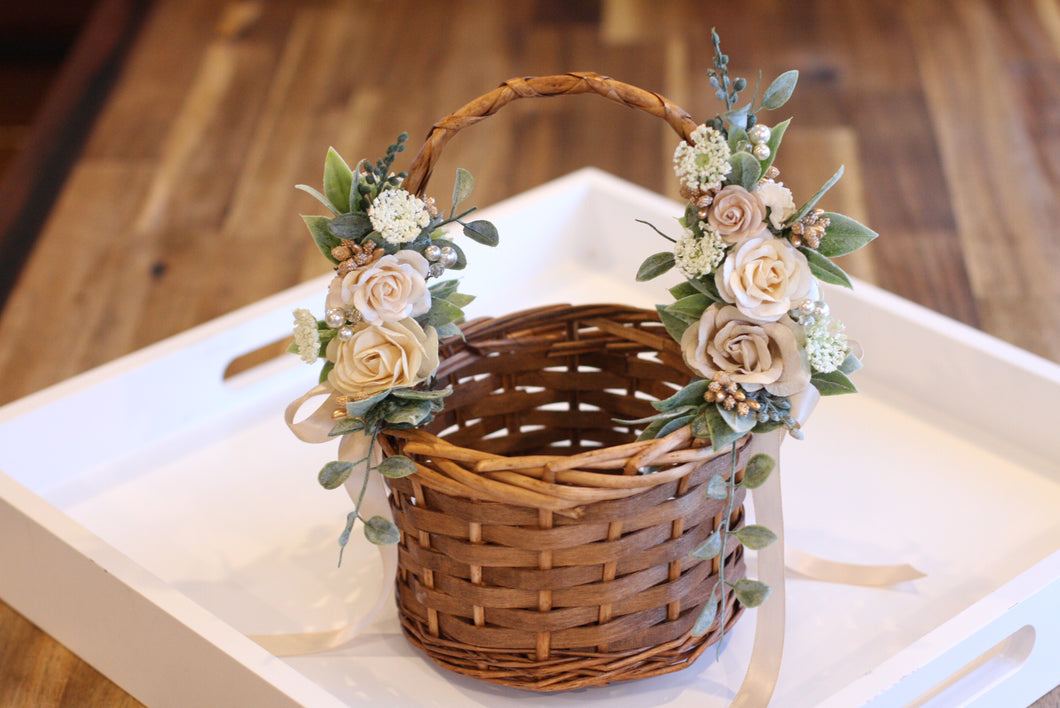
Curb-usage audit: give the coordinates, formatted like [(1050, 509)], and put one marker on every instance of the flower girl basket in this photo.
[(535, 551)]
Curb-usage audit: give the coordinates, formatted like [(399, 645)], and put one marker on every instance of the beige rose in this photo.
[(736, 213), (387, 290), (755, 355), (383, 356), (763, 276)]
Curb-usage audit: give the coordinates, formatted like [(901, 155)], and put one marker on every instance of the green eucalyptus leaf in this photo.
[(462, 186), (780, 90), (683, 289), (739, 423), (674, 324), (850, 365), (708, 287), (715, 427), (461, 299), (449, 329), (325, 240), (381, 531), (675, 424), (442, 312), (718, 487), (411, 394), (353, 226), (737, 136), (690, 395), (337, 181), (357, 409), (751, 593), (843, 235), (805, 208), (710, 548), (346, 426), (652, 431), (757, 471), (824, 269), (444, 288), (344, 537), (755, 536), (461, 259), (396, 467), (408, 413), (655, 265), (483, 232), (746, 171), (833, 383), (706, 617), (334, 474), (693, 305), (318, 196)]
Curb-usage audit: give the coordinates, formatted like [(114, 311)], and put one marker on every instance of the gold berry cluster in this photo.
[(352, 256), (722, 389), (809, 229)]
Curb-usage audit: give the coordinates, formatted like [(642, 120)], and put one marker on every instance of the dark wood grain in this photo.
[(180, 207)]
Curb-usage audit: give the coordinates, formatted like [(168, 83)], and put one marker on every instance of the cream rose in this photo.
[(763, 276), (755, 355), (390, 289), (383, 356), (736, 213), (778, 200)]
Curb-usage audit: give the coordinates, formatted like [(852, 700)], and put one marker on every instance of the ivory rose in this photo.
[(763, 276), (383, 356), (736, 213), (754, 355), (778, 200), (390, 289)]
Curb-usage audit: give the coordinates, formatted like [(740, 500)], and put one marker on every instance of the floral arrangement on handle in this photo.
[(749, 316), (383, 317)]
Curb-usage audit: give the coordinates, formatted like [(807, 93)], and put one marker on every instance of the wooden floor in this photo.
[(946, 114)]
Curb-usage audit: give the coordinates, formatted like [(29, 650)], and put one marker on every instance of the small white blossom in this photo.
[(702, 165), (777, 198), (398, 216), (826, 344), (697, 255), (306, 335)]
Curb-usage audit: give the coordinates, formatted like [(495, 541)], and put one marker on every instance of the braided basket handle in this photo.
[(535, 87)]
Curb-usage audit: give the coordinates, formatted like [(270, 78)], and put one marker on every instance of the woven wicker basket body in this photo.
[(541, 547)]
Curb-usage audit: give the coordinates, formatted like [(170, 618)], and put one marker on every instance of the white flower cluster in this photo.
[(702, 165), (306, 335), (826, 344), (697, 255), (398, 216)]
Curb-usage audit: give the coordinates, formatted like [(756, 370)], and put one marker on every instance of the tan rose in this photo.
[(755, 355), (763, 276), (390, 289), (736, 213), (383, 356)]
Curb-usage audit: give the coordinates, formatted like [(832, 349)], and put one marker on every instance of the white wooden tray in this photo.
[(153, 511)]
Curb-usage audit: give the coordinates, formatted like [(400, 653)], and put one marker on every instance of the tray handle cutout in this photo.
[(981, 674), (246, 368)]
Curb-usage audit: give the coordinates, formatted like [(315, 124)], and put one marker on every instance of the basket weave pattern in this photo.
[(540, 547)]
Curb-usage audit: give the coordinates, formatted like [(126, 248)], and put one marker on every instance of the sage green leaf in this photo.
[(449, 329), (716, 428), (708, 287), (824, 269), (833, 383), (346, 426), (408, 413), (462, 186), (461, 259), (412, 394), (710, 548), (444, 288), (850, 364), (353, 226), (318, 196), (780, 90), (690, 395), (739, 423), (706, 617), (843, 235), (655, 265), (757, 471), (745, 171), (344, 537), (442, 312), (737, 138), (776, 134), (482, 231), (805, 208), (755, 536), (396, 467), (334, 474), (693, 305), (683, 289), (674, 324), (652, 431), (381, 531), (325, 240), (751, 593), (357, 409), (675, 424), (717, 487), (337, 181), (325, 370), (461, 299), (665, 416)]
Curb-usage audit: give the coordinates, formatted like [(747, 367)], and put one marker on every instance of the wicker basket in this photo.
[(542, 547)]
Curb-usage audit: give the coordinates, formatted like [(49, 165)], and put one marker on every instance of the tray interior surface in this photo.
[(224, 506)]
